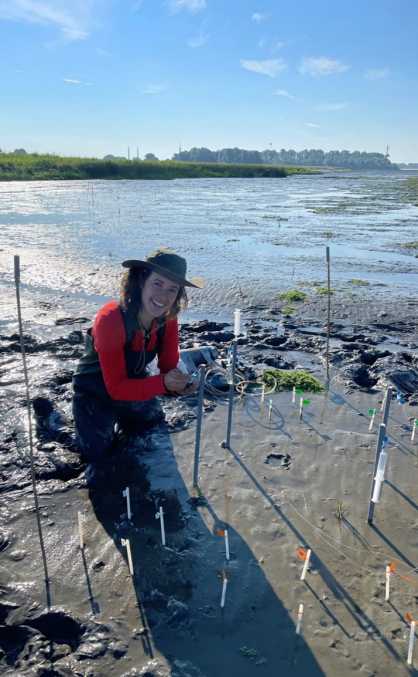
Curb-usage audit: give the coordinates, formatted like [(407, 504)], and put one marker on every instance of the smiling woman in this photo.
[(112, 382)]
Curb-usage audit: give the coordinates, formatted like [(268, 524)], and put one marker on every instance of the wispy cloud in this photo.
[(192, 6), (322, 65), (270, 67), (313, 125), (154, 89), (69, 16), (283, 92), (259, 17), (376, 73), (198, 40), (331, 106), (73, 81)]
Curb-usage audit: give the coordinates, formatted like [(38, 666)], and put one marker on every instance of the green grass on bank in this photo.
[(52, 167)]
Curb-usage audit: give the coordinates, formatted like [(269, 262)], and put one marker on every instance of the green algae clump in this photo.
[(287, 379)]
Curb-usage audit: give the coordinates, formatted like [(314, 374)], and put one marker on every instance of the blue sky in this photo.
[(90, 77)]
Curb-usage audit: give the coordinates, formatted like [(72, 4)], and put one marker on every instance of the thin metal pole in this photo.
[(386, 408), (28, 406), (328, 308), (231, 396), (202, 369), (379, 444)]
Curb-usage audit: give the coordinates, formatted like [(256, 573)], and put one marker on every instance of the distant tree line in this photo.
[(312, 157)]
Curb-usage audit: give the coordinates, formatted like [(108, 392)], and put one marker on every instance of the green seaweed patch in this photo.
[(293, 295), (246, 651), (323, 291), (359, 283), (287, 311), (287, 380), (411, 245)]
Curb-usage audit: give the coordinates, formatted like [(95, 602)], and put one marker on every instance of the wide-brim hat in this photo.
[(167, 263)]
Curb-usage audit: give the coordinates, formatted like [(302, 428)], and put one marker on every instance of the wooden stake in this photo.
[(223, 596), (160, 516), (226, 545)]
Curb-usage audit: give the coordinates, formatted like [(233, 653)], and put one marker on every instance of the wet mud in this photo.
[(284, 484)]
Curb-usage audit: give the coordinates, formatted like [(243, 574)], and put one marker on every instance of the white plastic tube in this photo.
[(270, 409), (125, 542), (237, 322), (306, 565), (160, 516), (300, 408), (80, 529), (411, 643), (299, 621), (380, 476), (127, 495), (387, 589), (414, 426), (227, 545), (223, 597), (372, 420), (293, 394)]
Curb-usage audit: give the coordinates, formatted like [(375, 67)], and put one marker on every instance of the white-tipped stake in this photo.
[(372, 420), (226, 544), (300, 408), (299, 621), (223, 596), (263, 395), (411, 643), (382, 406), (80, 517), (127, 495), (125, 542), (387, 589), (160, 516), (270, 409), (414, 427), (293, 394), (380, 476), (237, 322), (306, 565)]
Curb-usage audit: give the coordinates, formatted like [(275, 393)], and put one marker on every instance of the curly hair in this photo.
[(132, 284)]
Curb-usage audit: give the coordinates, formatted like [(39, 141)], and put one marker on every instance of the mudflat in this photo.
[(285, 485)]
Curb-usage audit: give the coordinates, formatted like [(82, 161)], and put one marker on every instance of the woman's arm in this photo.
[(168, 356), (109, 340)]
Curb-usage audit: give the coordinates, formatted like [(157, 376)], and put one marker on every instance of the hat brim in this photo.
[(136, 263)]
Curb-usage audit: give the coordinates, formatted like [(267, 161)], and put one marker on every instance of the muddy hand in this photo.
[(175, 381)]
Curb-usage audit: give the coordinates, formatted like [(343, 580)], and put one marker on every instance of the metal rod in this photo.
[(380, 438), (28, 406), (198, 425), (386, 408), (328, 308), (231, 395)]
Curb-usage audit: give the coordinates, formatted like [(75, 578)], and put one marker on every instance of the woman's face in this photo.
[(158, 295)]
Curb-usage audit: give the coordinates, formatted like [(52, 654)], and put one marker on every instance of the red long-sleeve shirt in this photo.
[(109, 340)]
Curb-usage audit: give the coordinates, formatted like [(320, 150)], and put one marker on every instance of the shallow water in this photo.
[(248, 238)]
